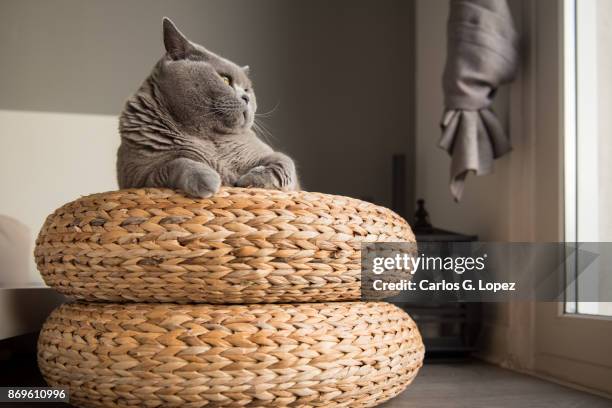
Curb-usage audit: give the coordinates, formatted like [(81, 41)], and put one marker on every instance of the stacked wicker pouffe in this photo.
[(247, 298)]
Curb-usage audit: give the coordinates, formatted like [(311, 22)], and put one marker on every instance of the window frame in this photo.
[(571, 348)]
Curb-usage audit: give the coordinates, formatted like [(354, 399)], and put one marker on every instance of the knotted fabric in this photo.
[(482, 54)]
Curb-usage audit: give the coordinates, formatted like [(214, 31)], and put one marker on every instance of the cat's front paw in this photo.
[(261, 177), (201, 183)]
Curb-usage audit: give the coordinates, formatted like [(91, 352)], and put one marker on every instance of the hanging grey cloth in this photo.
[(482, 54)]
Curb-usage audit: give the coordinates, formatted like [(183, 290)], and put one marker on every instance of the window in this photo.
[(571, 340), (588, 150)]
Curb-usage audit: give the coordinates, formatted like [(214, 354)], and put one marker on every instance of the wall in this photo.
[(497, 207), (336, 77), (48, 159)]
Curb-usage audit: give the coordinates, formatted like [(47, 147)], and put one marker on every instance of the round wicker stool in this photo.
[(342, 354), (239, 246)]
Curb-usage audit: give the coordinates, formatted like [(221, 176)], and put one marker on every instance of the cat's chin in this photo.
[(223, 130), (248, 121), (238, 123), (231, 130)]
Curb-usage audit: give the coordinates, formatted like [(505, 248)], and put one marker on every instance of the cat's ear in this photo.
[(177, 45), (246, 69)]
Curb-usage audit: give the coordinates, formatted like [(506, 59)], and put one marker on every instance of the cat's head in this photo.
[(202, 89)]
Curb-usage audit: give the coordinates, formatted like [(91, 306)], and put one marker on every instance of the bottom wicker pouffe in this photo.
[(345, 354)]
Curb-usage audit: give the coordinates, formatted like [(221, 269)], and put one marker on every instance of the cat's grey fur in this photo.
[(186, 129)]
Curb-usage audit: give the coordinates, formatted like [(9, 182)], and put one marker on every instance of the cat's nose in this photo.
[(245, 98)]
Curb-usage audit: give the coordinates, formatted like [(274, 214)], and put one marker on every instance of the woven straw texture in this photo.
[(239, 246), (342, 354)]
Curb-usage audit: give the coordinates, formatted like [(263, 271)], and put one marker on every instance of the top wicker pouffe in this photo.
[(239, 246)]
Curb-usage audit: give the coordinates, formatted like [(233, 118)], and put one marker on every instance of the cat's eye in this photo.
[(227, 79)]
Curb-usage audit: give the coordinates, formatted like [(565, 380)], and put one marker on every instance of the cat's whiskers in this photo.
[(268, 113), (262, 131)]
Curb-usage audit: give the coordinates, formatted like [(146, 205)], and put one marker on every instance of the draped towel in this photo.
[(482, 54)]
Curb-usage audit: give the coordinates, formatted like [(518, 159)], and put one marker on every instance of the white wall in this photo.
[(47, 159)]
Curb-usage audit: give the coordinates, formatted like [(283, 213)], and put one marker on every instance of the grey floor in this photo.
[(475, 385)]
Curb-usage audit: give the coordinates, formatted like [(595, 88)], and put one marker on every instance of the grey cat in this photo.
[(188, 127)]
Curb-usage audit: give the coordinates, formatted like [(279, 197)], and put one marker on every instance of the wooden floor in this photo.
[(475, 385)]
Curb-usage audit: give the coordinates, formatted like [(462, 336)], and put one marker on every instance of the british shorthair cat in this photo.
[(189, 127)]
